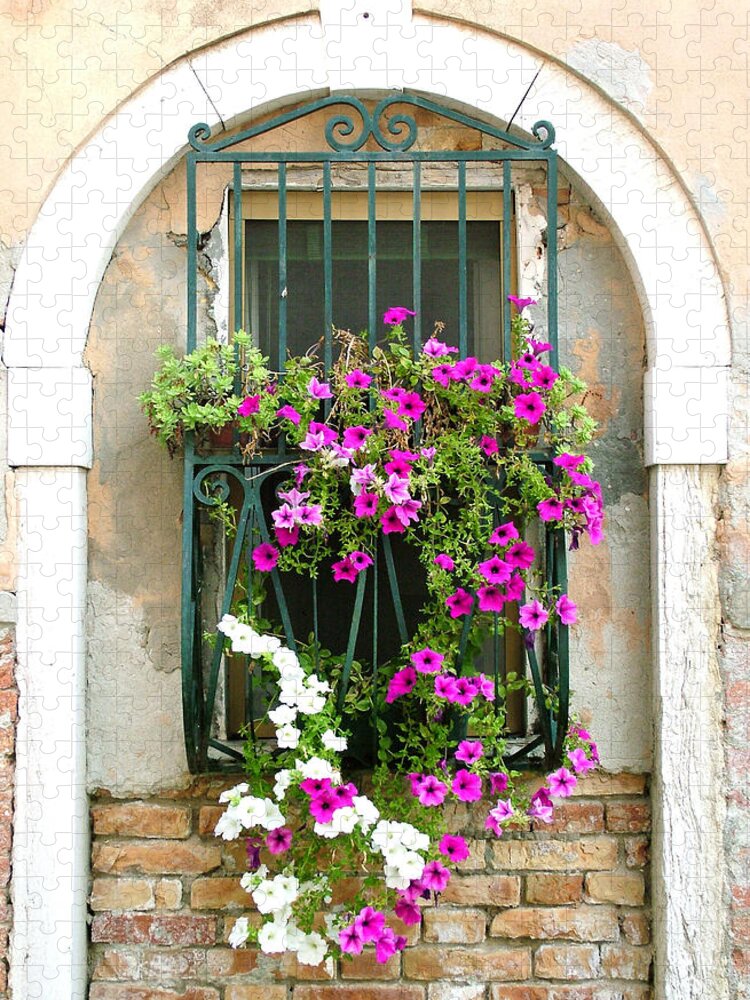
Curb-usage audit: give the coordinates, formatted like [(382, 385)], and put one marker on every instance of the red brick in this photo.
[(208, 817), (358, 991), (9, 703), (577, 923), (122, 894), (741, 961), (637, 852), (452, 991), (446, 926), (629, 817), (740, 926), (366, 966), (585, 854), (624, 961), (636, 928), (600, 783), (486, 963), (127, 991), (223, 962), (554, 888), (484, 890), (217, 893), (141, 819), (155, 964), (263, 992), (566, 961), (624, 889), (160, 929), (577, 992), (156, 856), (575, 817)]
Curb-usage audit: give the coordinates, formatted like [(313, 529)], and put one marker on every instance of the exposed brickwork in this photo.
[(560, 913), (8, 719)]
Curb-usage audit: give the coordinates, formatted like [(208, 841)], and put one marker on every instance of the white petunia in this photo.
[(367, 812), (310, 703), (274, 894), (316, 767), (282, 782), (251, 811), (228, 625), (343, 821), (273, 818), (394, 879), (287, 737), (311, 949), (286, 659), (238, 934), (284, 715), (272, 938), (233, 794), (229, 826), (314, 683), (408, 863), (333, 742), (251, 880)]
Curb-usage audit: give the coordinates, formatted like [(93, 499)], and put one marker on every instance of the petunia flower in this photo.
[(350, 939), (520, 555), (411, 405), (504, 534), (396, 315), (397, 489), (444, 562), (544, 377), (532, 616), (567, 610), (442, 374), (491, 598), (431, 791), (360, 560), (370, 923), (469, 751), (445, 686), (357, 379), (408, 512), (355, 437), (401, 683), (289, 413), (309, 514), (521, 304), (393, 422), (568, 462), (435, 876), (454, 848), (427, 661), (529, 406), (408, 913), (539, 346), (488, 445), (495, 570), (579, 760), (385, 945), (365, 504), (323, 806), (344, 569), (459, 603), (428, 454), (550, 509), (483, 379), (265, 557), (467, 786), (464, 369), (435, 348), (499, 781), (392, 523), (562, 782), (279, 841), (319, 390), (287, 536), (398, 467), (248, 406)]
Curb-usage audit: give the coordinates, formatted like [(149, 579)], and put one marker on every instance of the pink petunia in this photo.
[(345, 570), (360, 560), (529, 406), (397, 489), (427, 661), (488, 445), (459, 603), (435, 876), (521, 304), (431, 791), (408, 511), (435, 348), (411, 405), (248, 406), (279, 841), (467, 786), (366, 504), (532, 616), (287, 536), (442, 374), (550, 509), (357, 379), (579, 760), (370, 923), (504, 534), (444, 562), (355, 437), (567, 610), (394, 423), (392, 523), (495, 570), (562, 782), (470, 751), (401, 683), (568, 462), (541, 807), (265, 557), (520, 555), (503, 810), (445, 687), (350, 939), (396, 315), (408, 913), (544, 377), (466, 691), (289, 413), (454, 848), (499, 781), (483, 379), (319, 390), (491, 599), (386, 945), (323, 806)]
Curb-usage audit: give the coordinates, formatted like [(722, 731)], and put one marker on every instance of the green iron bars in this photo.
[(381, 212)]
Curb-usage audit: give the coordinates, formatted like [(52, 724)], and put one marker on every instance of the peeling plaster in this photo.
[(624, 75)]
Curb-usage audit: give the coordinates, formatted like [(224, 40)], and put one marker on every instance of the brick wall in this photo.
[(8, 717), (558, 914)]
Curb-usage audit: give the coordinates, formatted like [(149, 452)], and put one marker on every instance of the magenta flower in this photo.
[(287, 536), (401, 683), (394, 423), (483, 379), (485, 687), (408, 912), (435, 876), (492, 824), (411, 405), (435, 348), (284, 517), (365, 504), (314, 786), (568, 462), (579, 760), (397, 489), (532, 616), (503, 810), (329, 434), (350, 939), (539, 346), (541, 807), (358, 379), (466, 691), (370, 923), (248, 406), (431, 791), (319, 390), (392, 523), (309, 514), (427, 661), (550, 509), (398, 467), (445, 687), (442, 374), (444, 562), (459, 603), (488, 445), (344, 569), (529, 406), (467, 786), (396, 315), (520, 555), (343, 795), (544, 377), (470, 751), (386, 945), (361, 478), (498, 782), (519, 375), (312, 442), (279, 841), (562, 782), (521, 304), (265, 557), (491, 599), (289, 413), (567, 610), (495, 570), (454, 848), (323, 806), (408, 512), (360, 560), (355, 437), (504, 534)]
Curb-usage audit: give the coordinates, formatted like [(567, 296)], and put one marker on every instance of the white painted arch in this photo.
[(50, 390)]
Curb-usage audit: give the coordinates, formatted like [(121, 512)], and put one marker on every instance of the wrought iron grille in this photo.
[(355, 134)]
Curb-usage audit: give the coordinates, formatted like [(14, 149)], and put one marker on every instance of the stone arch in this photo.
[(50, 390)]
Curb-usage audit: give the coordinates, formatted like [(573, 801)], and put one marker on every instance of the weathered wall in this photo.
[(558, 914)]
